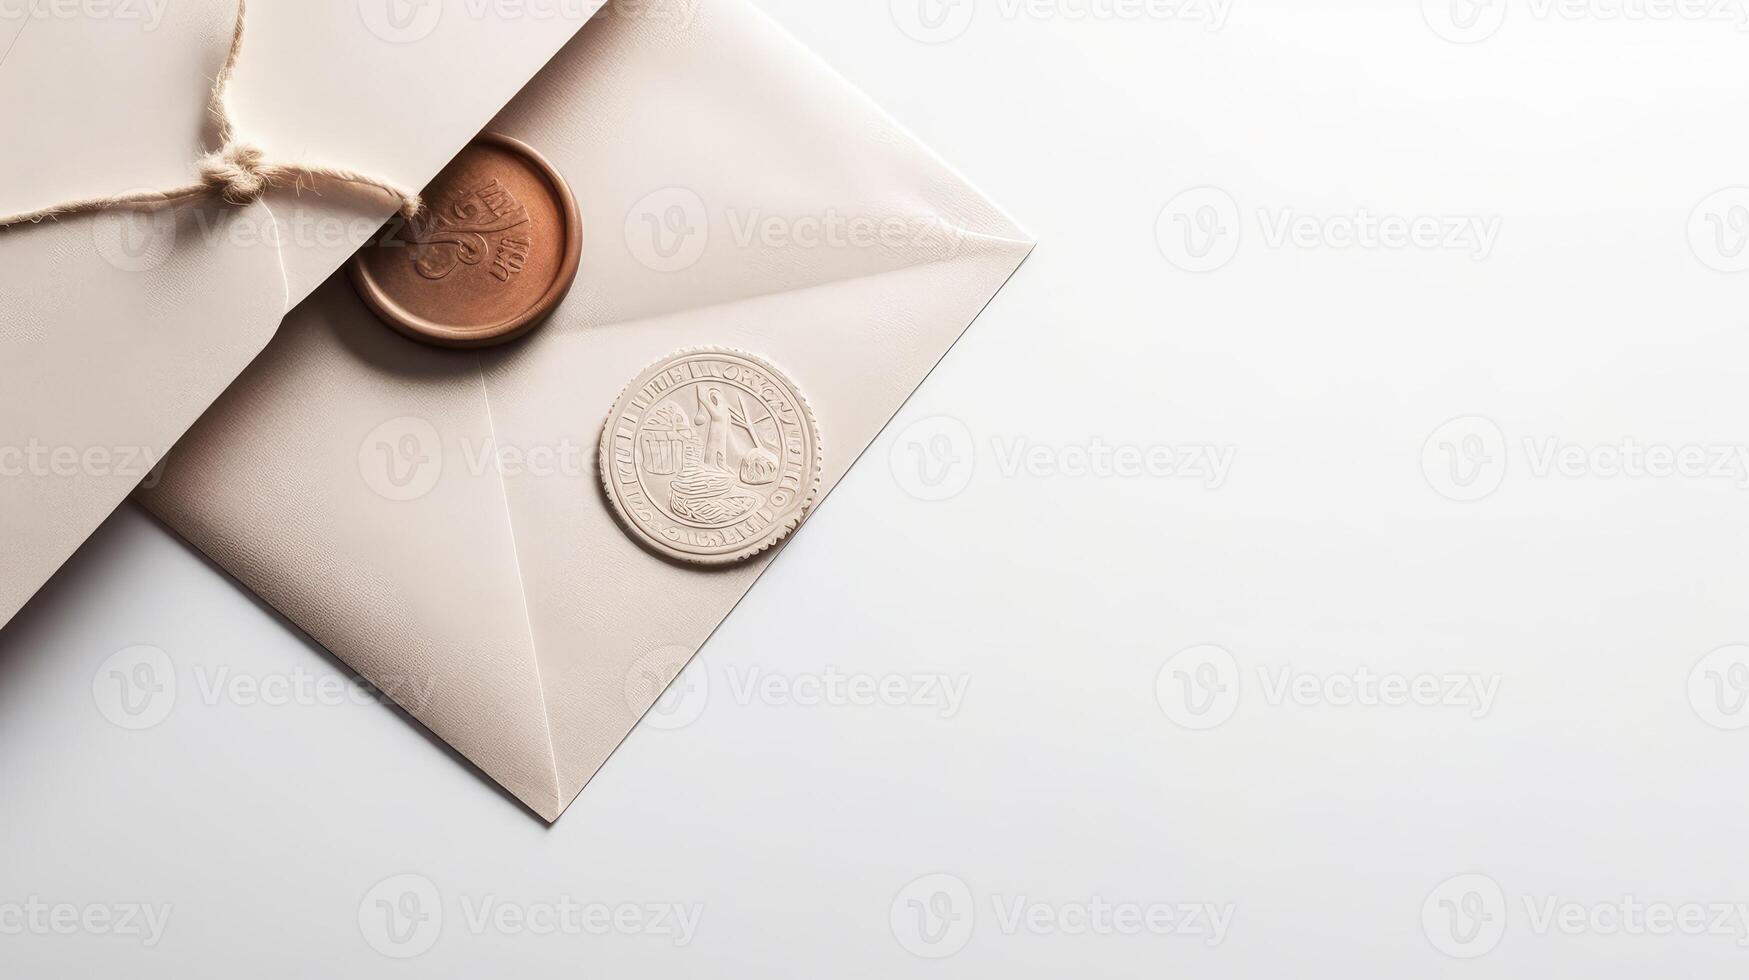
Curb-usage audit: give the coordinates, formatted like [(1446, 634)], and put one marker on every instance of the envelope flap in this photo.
[(613, 624), (321, 479), (718, 160)]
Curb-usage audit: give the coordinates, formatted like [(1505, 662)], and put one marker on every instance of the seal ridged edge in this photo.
[(711, 561)]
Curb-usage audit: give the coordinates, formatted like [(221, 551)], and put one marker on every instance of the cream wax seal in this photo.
[(710, 456)]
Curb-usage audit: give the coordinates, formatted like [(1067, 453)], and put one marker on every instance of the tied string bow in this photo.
[(238, 172)]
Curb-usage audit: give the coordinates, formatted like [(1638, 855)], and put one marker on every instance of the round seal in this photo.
[(495, 249), (710, 456)]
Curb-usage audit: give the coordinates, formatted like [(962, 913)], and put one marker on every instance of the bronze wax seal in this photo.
[(495, 249), (710, 456)]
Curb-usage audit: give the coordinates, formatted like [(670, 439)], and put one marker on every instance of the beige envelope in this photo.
[(735, 192)]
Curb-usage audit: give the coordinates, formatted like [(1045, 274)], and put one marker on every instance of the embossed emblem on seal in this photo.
[(479, 218), (494, 252), (710, 456)]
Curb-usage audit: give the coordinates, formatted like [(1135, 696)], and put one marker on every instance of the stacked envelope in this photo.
[(436, 517)]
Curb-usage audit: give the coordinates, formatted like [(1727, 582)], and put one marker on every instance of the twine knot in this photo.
[(236, 172)]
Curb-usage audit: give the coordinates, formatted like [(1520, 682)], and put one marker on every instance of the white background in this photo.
[(1090, 763)]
